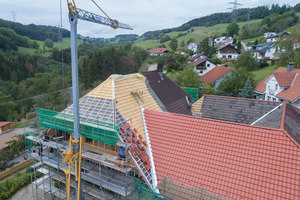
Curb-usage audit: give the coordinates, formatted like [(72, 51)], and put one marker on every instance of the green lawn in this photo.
[(260, 74)]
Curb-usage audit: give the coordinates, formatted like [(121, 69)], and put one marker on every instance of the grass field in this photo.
[(46, 51), (260, 74), (198, 33)]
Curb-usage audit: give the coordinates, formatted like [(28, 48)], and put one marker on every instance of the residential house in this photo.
[(202, 65), (5, 126), (213, 159), (228, 40), (221, 39), (193, 47), (282, 85), (269, 34), (168, 94), (179, 53), (216, 75), (274, 37), (264, 52), (158, 51), (196, 57), (228, 51), (110, 118), (271, 114)]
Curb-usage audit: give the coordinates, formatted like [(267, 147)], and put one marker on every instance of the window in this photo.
[(229, 56), (208, 65), (269, 98), (276, 86), (201, 72), (274, 99)]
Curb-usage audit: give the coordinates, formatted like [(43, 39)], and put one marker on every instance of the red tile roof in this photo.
[(158, 50), (4, 123), (215, 74), (284, 79), (235, 160)]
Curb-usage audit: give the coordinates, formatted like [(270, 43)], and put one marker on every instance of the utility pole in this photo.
[(234, 8), (13, 13)]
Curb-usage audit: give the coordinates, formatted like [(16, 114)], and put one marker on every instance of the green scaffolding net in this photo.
[(193, 92), (104, 132), (170, 189)]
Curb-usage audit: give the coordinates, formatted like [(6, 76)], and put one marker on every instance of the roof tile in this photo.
[(215, 74), (235, 160)]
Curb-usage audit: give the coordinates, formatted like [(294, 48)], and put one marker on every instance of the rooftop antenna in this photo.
[(233, 12)]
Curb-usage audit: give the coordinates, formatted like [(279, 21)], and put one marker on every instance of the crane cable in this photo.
[(102, 10)]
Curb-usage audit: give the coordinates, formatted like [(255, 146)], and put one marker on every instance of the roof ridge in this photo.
[(290, 137), (220, 96), (283, 116)]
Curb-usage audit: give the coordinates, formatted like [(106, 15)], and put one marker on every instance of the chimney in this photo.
[(159, 67), (290, 67), (159, 70)]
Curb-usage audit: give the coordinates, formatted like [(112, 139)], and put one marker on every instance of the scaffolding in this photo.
[(104, 174)]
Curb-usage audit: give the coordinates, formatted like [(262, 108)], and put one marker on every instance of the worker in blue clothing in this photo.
[(121, 156)]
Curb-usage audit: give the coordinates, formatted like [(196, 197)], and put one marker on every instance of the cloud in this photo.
[(142, 15)]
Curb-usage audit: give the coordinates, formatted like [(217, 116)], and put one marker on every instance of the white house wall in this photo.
[(209, 66), (233, 55), (272, 89)]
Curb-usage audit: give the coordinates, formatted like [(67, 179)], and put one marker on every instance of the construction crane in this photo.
[(73, 156)]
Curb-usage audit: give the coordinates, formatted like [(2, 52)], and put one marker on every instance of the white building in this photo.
[(202, 65), (228, 51), (193, 47), (265, 51), (282, 85)]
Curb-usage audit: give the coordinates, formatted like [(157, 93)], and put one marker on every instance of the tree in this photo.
[(246, 60), (239, 46), (247, 91), (190, 40), (233, 29), (256, 42), (174, 44), (48, 43), (182, 44), (232, 84), (189, 78), (287, 51)]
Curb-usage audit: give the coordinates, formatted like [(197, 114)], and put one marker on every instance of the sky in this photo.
[(141, 15)]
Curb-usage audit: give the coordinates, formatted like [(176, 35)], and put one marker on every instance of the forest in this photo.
[(35, 32)]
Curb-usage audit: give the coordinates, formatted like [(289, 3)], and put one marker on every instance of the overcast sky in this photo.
[(142, 15)]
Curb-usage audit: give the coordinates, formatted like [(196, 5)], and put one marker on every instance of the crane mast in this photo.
[(73, 156)]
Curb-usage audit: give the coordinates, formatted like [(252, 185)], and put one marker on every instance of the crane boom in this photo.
[(88, 16)]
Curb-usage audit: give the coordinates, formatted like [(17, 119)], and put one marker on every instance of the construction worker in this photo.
[(121, 156)]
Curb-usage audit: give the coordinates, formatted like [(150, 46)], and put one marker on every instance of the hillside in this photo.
[(200, 32)]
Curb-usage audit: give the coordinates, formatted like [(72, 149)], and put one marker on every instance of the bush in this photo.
[(11, 186)]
